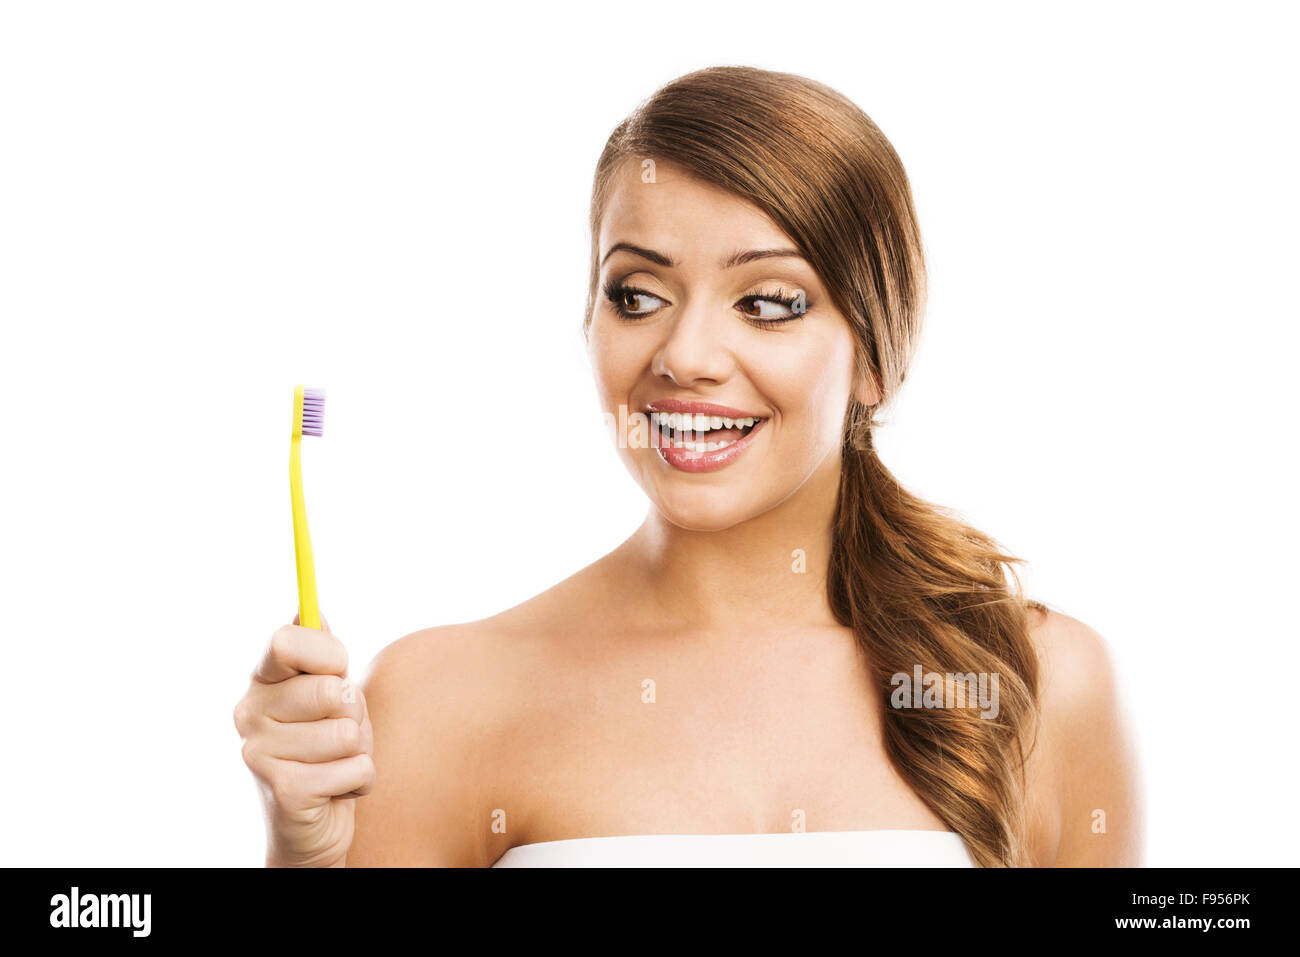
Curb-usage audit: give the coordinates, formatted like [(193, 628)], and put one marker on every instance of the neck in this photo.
[(769, 571)]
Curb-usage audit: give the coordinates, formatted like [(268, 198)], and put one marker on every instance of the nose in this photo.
[(695, 348)]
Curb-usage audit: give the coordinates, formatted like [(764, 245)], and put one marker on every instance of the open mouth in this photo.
[(696, 432)]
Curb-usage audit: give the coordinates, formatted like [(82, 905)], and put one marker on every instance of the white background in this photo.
[(202, 205)]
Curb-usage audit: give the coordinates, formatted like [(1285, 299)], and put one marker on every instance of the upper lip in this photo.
[(700, 408)]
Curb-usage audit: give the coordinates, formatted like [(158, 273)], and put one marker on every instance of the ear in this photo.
[(866, 391)]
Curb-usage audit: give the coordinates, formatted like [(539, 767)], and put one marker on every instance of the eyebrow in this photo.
[(738, 258)]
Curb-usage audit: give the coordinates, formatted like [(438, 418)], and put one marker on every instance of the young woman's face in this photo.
[(694, 330)]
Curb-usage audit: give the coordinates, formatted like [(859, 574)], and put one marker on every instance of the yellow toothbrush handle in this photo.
[(308, 612)]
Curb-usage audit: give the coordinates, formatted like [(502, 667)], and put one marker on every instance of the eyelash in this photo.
[(615, 291)]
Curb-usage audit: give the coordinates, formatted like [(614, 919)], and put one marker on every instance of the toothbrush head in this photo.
[(308, 411)]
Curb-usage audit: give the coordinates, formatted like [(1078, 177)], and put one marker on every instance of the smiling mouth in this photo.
[(696, 432)]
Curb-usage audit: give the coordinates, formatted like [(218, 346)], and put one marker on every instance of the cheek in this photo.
[(613, 363), (809, 381)]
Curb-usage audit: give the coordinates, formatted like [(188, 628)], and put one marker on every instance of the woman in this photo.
[(773, 655)]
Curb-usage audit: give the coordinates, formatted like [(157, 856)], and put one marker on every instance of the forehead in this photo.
[(681, 215)]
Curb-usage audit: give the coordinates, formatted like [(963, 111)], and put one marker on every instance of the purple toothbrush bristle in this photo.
[(313, 411)]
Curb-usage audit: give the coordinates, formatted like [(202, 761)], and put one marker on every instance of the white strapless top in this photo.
[(893, 848)]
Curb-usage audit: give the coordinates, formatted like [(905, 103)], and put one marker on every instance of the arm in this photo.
[(1091, 778), (421, 811)]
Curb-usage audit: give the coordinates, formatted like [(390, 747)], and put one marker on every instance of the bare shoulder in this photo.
[(1083, 774), (421, 693), (445, 704), (1076, 665)]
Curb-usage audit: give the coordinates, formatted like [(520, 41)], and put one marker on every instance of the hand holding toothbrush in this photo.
[(306, 730), (309, 743)]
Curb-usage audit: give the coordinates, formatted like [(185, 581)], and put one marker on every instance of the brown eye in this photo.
[(769, 309), (628, 301)]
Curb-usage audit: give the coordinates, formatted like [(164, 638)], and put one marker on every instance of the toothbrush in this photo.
[(308, 417)]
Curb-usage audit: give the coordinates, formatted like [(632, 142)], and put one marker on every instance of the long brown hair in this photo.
[(916, 584)]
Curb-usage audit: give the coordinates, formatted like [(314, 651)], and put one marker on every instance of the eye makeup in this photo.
[(618, 292)]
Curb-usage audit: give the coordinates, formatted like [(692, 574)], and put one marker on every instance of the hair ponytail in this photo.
[(921, 588)]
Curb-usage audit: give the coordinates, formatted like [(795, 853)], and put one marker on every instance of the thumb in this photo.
[(324, 623)]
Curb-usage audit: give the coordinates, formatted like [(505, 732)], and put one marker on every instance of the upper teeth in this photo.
[(698, 422)]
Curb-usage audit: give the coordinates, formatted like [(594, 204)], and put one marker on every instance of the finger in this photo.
[(333, 778), (324, 622), (294, 649), (313, 742), (357, 792), (310, 697)]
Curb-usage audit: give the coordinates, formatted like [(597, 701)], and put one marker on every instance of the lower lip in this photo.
[(688, 461)]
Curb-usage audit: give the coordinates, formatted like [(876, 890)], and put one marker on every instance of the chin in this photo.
[(697, 520), (706, 510)]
